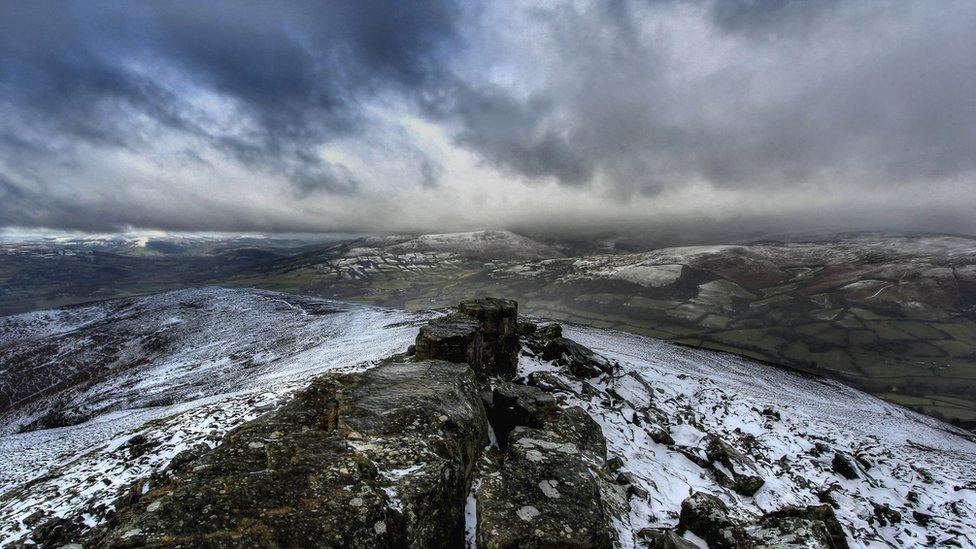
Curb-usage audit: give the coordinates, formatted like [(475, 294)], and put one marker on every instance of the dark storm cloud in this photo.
[(190, 114), (116, 73), (514, 134), (858, 92), (756, 18), (430, 173)]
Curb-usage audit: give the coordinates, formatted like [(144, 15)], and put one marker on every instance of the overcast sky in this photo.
[(439, 116)]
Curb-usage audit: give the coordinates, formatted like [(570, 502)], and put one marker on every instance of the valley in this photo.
[(891, 314)]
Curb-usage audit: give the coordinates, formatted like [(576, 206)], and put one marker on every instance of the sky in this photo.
[(646, 115)]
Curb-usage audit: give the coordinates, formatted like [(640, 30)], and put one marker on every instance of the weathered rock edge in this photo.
[(378, 459)]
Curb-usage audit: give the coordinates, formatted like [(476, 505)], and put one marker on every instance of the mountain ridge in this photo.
[(788, 428)]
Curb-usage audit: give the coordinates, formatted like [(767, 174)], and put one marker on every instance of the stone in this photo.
[(400, 482), (482, 333), (56, 532), (663, 538), (577, 426), (514, 405), (454, 338), (743, 479), (885, 515), (548, 343), (708, 518), (549, 382), (813, 526), (550, 331), (499, 328), (844, 466), (581, 361), (526, 328), (541, 494)]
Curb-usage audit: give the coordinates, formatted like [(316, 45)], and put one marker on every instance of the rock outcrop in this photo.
[(543, 494), (548, 343), (813, 527), (392, 457), (378, 459), (482, 333)]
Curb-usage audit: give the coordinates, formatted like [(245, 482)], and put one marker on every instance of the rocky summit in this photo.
[(489, 430)]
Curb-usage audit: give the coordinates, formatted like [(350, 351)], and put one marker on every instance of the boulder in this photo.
[(549, 331), (581, 361), (482, 333), (743, 479), (498, 354), (549, 382), (662, 538), (708, 518), (542, 494), (383, 458), (844, 466), (815, 526)]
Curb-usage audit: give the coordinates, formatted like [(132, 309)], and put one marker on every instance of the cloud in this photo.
[(444, 115), (654, 94), (264, 84)]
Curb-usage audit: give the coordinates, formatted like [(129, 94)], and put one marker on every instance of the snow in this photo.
[(650, 276), (489, 243), (704, 392), (205, 373), (232, 355)]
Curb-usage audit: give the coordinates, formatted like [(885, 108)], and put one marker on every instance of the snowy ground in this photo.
[(916, 463), (228, 356)]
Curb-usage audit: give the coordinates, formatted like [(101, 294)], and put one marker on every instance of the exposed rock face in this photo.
[(499, 329), (453, 338), (543, 494), (378, 459), (548, 343), (813, 527), (708, 518), (744, 479), (483, 333)]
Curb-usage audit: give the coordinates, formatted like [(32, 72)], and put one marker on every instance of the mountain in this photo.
[(891, 314), (120, 418)]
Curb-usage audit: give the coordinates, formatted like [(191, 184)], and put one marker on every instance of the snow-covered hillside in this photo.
[(182, 368), (212, 359), (486, 244), (915, 474)]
